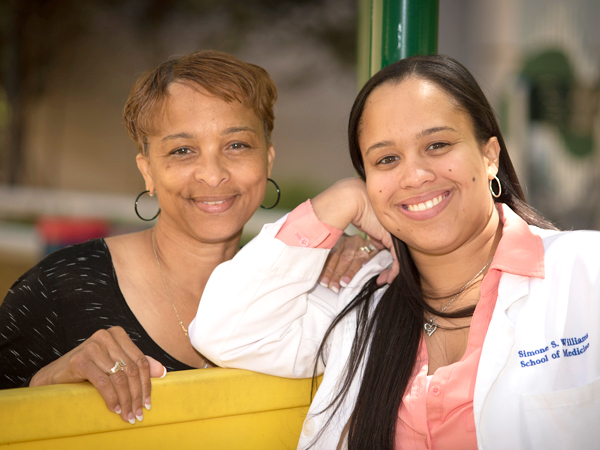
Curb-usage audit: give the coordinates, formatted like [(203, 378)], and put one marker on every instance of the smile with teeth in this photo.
[(218, 202), (426, 205)]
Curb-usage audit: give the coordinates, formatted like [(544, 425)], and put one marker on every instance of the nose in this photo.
[(212, 170), (415, 172)]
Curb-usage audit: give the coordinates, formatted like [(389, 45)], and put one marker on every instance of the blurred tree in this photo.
[(33, 34), (36, 35)]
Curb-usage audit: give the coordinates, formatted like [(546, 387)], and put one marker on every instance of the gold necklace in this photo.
[(431, 326), (167, 286)]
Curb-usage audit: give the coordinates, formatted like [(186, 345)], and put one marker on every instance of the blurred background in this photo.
[(67, 166)]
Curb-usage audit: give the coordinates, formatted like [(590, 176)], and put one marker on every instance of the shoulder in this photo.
[(578, 237), (567, 247), (571, 264), (381, 261), (90, 255), (91, 252), (373, 268)]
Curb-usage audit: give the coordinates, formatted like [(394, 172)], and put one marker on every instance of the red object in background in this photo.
[(59, 232)]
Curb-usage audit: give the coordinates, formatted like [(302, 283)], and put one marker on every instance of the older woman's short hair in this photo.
[(218, 73)]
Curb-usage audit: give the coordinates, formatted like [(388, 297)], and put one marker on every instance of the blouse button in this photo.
[(309, 427), (435, 390), (415, 390), (304, 242)]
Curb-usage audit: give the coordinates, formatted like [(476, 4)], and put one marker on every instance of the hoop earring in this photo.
[(136, 208), (499, 187), (278, 196)]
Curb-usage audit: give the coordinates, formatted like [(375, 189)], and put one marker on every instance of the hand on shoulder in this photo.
[(347, 202)]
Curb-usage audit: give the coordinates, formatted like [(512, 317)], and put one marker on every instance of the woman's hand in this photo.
[(345, 259), (126, 390), (347, 202)]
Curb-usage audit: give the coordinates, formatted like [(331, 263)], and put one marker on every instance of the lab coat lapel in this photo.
[(499, 341)]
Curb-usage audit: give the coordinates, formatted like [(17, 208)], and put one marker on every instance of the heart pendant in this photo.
[(430, 328)]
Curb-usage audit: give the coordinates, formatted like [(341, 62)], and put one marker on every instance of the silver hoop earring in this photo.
[(499, 187), (137, 212), (278, 196)]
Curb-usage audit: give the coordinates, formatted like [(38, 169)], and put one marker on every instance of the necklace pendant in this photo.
[(430, 328)]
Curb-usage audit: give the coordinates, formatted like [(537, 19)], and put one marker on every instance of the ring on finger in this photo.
[(118, 366), (368, 248)]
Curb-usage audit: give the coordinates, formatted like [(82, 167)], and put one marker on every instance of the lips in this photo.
[(214, 205), (425, 206), (217, 202), (428, 204)]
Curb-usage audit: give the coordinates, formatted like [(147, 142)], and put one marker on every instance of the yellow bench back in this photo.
[(199, 409)]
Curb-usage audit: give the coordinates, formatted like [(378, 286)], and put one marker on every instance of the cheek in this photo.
[(381, 193), (252, 175), (255, 170)]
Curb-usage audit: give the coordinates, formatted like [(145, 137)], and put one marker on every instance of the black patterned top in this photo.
[(60, 303)]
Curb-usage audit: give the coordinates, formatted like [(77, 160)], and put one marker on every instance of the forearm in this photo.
[(261, 310), (341, 204)]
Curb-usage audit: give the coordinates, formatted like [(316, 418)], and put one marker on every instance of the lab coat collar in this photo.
[(520, 251)]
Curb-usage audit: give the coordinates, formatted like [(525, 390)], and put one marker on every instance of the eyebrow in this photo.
[(381, 144), (234, 130), (231, 130), (421, 134), (433, 130), (171, 137)]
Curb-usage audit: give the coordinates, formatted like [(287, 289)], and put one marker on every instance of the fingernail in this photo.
[(147, 403), (118, 409), (131, 418), (139, 415), (324, 283), (344, 281), (335, 289), (164, 373)]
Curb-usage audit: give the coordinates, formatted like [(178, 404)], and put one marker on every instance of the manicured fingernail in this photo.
[(335, 289), (139, 415), (131, 418), (344, 281), (147, 403), (324, 284), (164, 373), (118, 409)]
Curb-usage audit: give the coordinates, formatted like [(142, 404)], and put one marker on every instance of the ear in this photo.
[(143, 163), (491, 155), (270, 159)]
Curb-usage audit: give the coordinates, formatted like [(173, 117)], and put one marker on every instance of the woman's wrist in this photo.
[(339, 205)]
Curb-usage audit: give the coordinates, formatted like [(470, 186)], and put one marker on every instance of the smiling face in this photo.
[(427, 176), (208, 162)]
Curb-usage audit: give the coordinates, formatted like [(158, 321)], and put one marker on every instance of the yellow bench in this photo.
[(199, 409)]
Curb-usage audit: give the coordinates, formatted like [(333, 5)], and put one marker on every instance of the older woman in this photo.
[(487, 338), (116, 311)]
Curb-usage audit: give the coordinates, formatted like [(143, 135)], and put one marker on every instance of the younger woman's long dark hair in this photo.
[(388, 333)]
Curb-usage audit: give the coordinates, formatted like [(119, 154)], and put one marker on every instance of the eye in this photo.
[(387, 160), (437, 146), (181, 151), (238, 146)]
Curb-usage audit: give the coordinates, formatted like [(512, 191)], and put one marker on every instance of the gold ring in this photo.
[(368, 248), (118, 366)]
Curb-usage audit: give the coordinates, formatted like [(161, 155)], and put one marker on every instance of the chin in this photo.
[(218, 234), (437, 243)]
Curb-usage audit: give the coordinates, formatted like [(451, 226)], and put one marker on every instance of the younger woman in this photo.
[(487, 338)]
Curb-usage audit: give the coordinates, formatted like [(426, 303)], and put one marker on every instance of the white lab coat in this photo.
[(262, 311)]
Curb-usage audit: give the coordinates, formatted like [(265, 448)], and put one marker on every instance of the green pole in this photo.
[(389, 30)]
